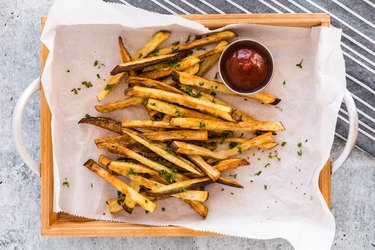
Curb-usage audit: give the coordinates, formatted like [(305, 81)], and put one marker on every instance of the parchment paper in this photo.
[(283, 201)]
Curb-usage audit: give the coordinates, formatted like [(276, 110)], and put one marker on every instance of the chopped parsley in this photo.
[(202, 125), (174, 65), (66, 183), (223, 137), (75, 90), (163, 209), (170, 177), (233, 144), (155, 52), (131, 172), (268, 164), (68, 71), (284, 82), (201, 83), (91, 185), (87, 115), (153, 104), (109, 87), (87, 84), (276, 155), (258, 133), (257, 174), (120, 201), (188, 38), (245, 99), (283, 143), (239, 149), (233, 175), (119, 194), (140, 55), (178, 113), (299, 65), (216, 76), (176, 43), (197, 37), (231, 193), (213, 93), (265, 187), (299, 144), (183, 189), (146, 211), (190, 91), (146, 201), (103, 213), (222, 189), (98, 76), (96, 63), (174, 50), (299, 152), (201, 48)]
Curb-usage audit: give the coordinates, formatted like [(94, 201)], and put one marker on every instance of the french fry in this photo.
[(267, 145), (156, 40), (121, 104), (120, 185), (213, 173), (136, 80), (197, 81), (104, 160), (165, 154), (128, 168), (194, 123), (178, 187), (176, 111), (179, 135), (231, 164), (194, 195), (229, 182), (193, 69), (147, 162), (190, 149), (187, 101), (215, 37), (207, 64), (129, 204), (114, 205), (103, 122), (145, 62), (167, 71), (114, 81), (146, 124), (215, 51), (121, 139), (198, 207)]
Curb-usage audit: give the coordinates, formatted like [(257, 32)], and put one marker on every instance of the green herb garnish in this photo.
[(188, 38), (299, 152), (265, 187), (174, 50), (216, 76), (257, 174), (202, 125), (178, 113), (284, 82), (239, 149), (87, 84), (153, 104), (233, 175), (197, 37), (213, 93), (75, 91), (140, 55), (96, 63), (201, 83), (299, 144), (66, 183), (109, 87), (98, 76), (176, 43), (183, 189), (174, 65), (283, 143), (131, 172), (190, 91), (300, 64), (163, 209), (223, 137), (268, 164)]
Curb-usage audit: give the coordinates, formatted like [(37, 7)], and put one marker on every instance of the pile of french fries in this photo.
[(173, 154)]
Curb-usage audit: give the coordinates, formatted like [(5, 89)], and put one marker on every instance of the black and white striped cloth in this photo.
[(355, 17)]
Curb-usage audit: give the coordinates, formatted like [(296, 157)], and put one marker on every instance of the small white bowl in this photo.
[(251, 44)]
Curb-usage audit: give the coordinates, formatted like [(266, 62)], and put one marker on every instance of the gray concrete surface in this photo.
[(353, 192)]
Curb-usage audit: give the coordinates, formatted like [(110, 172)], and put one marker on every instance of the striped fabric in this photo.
[(355, 18)]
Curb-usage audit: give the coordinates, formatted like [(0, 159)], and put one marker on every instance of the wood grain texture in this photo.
[(63, 224)]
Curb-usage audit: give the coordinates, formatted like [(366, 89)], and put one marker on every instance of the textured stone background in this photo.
[(353, 191)]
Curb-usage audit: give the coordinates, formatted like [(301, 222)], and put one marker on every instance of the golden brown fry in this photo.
[(207, 64), (136, 80), (103, 122), (215, 37), (179, 135), (121, 186), (121, 139), (121, 104), (229, 182), (128, 168), (190, 149), (194, 123), (114, 205), (231, 164), (211, 172), (187, 101), (214, 52), (129, 204), (147, 162), (178, 187), (198, 207), (193, 69), (176, 111), (167, 71), (145, 62), (145, 124), (125, 56), (152, 45), (158, 150), (104, 160)]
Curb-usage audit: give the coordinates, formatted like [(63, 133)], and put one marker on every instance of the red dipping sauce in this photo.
[(246, 66)]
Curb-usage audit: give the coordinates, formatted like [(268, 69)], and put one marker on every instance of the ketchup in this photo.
[(246, 67)]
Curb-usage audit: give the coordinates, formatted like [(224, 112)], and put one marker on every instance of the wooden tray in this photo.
[(61, 224)]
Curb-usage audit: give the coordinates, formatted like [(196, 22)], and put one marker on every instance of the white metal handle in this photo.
[(17, 126), (352, 134)]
